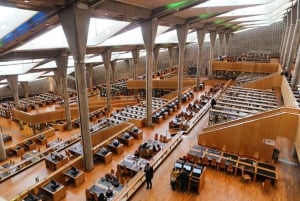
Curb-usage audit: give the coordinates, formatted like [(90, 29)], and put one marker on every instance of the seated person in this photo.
[(158, 148), (74, 171), (102, 197), (173, 178), (116, 142), (154, 149)]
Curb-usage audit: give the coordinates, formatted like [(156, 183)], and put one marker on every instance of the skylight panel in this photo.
[(55, 38), (220, 3), (29, 77), (19, 16), (17, 67), (102, 29), (132, 37)]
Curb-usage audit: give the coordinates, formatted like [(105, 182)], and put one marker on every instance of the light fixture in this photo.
[(26, 1)]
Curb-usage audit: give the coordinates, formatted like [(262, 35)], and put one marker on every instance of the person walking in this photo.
[(149, 175)]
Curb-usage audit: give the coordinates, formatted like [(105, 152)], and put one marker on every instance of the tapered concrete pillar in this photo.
[(226, 48), (3, 155), (58, 85), (13, 84), (284, 36), (90, 70), (212, 36), (130, 67), (171, 54), (287, 42), (156, 53), (149, 29), (106, 56), (181, 35), (221, 41), (295, 40), (135, 55), (290, 36), (200, 38), (25, 86), (113, 70), (295, 78), (75, 23), (62, 65)]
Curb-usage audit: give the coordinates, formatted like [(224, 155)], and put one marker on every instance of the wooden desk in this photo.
[(75, 177), (137, 134), (18, 150), (126, 139), (106, 158), (41, 140), (56, 194), (56, 161), (116, 149), (29, 145)]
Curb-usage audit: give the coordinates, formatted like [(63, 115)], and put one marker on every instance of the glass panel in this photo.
[(19, 16), (17, 67)]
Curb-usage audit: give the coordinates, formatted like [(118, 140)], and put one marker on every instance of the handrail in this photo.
[(251, 117)]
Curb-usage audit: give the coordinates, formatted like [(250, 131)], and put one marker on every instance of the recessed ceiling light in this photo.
[(26, 1)]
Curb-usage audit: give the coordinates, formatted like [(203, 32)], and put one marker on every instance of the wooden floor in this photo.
[(218, 185)]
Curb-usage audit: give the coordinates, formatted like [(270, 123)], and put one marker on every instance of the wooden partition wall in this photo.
[(48, 116), (246, 67), (109, 132), (265, 83), (160, 84), (287, 94), (248, 136)]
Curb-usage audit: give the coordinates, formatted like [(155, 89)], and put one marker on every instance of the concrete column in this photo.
[(113, 72), (135, 55), (181, 35), (156, 53), (290, 36), (75, 23), (221, 41), (295, 40), (283, 36), (25, 86), (106, 56), (286, 39), (212, 36), (3, 155), (130, 66), (58, 88), (227, 37), (200, 38), (171, 54), (149, 29), (13, 84), (295, 78), (89, 70), (62, 65)]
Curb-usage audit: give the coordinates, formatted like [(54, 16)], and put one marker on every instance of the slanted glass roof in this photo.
[(221, 3), (19, 16), (99, 31), (17, 67), (29, 76), (269, 13)]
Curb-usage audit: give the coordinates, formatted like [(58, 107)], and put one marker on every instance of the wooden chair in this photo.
[(205, 161), (222, 164), (230, 168), (245, 177), (156, 137), (266, 185), (213, 163)]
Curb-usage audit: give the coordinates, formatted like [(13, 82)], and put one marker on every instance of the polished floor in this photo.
[(218, 185)]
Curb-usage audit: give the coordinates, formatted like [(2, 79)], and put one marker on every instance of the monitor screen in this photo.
[(178, 165), (197, 170), (187, 167)]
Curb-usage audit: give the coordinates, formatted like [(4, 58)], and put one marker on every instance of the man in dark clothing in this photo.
[(213, 103), (184, 180), (148, 174)]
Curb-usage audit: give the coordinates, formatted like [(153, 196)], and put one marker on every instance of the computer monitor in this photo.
[(187, 167), (197, 171), (178, 165)]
